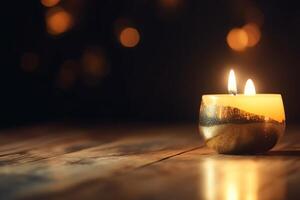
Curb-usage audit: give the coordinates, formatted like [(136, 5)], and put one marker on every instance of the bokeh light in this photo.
[(169, 3), (237, 39), (58, 21), (49, 3), (129, 37), (168, 9), (94, 63), (67, 74), (253, 34), (29, 61)]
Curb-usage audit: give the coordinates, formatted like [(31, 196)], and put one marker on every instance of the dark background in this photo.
[(182, 54)]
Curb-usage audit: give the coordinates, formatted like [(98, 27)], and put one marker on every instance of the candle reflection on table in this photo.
[(241, 179)]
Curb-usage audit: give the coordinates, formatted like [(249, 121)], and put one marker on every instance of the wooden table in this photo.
[(139, 162)]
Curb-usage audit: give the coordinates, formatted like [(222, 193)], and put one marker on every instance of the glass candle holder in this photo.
[(240, 124)]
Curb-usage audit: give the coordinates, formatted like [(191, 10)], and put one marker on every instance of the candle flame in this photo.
[(232, 83), (249, 88)]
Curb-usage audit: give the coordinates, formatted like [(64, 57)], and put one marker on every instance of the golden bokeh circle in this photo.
[(253, 33), (129, 37), (237, 39)]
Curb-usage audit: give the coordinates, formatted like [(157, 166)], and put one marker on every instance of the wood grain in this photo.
[(139, 162)]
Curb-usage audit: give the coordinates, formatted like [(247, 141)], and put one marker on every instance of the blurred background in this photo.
[(142, 60)]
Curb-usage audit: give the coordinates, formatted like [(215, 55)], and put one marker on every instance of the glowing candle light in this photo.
[(241, 123), (249, 88), (232, 83)]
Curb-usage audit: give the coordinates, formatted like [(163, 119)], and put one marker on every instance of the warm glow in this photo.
[(29, 61), (58, 21), (49, 3), (230, 179), (231, 191), (237, 39), (129, 37), (169, 3), (210, 179), (94, 62), (67, 74), (253, 34), (232, 89), (249, 88)]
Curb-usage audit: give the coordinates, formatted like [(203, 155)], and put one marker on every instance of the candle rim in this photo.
[(243, 95), (260, 104)]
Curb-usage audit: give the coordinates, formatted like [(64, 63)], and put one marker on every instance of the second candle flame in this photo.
[(249, 88), (232, 89)]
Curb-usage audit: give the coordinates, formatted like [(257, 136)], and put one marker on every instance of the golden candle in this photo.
[(241, 123)]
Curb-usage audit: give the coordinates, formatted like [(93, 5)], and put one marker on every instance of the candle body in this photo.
[(242, 124)]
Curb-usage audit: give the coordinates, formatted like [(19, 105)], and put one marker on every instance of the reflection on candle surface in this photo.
[(241, 179)]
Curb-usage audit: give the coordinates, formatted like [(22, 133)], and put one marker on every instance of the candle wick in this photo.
[(232, 92)]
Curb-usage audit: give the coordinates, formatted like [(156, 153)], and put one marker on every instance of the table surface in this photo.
[(139, 162)]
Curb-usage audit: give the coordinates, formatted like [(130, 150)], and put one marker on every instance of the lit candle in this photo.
[(241, 123)]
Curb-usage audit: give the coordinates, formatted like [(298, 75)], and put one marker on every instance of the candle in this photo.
[(241, 123)]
